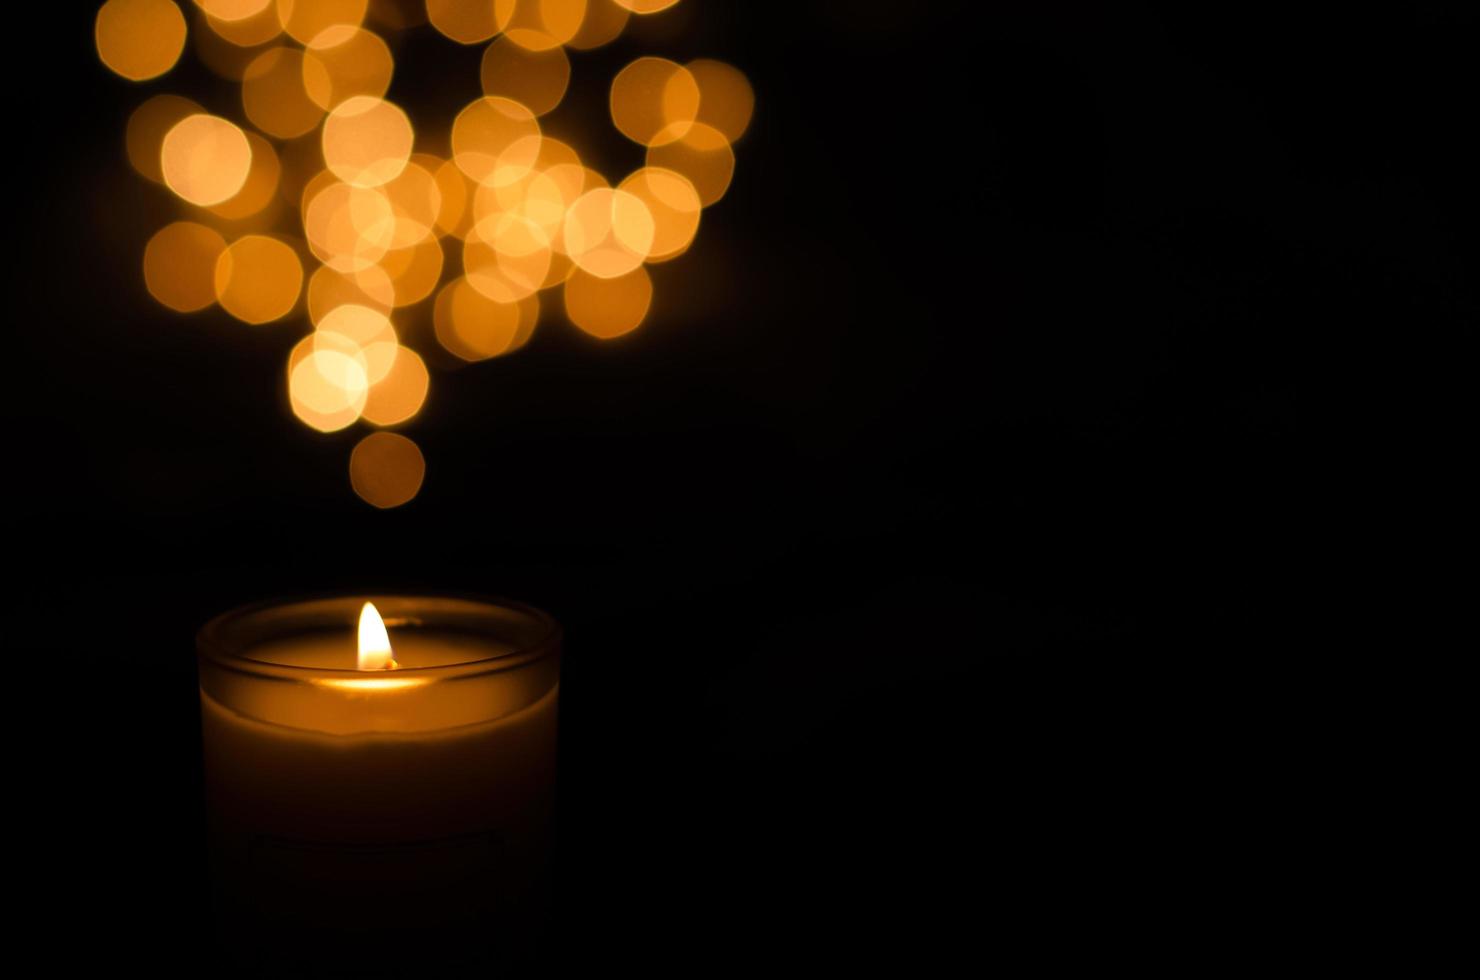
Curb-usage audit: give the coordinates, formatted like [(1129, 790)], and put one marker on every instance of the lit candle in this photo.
[(367, 773)]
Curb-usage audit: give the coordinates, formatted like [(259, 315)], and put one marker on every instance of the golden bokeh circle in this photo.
[(258, 279), (535, 78), (414, 271), (139, 39), (367, 141), (226, 47), (329, 288), (327, 382), (726, 100), (386, 469), (703, 155), (608, 233), (603, 24), (654, 101), (454, 213), (147, 127), (348, 228), (368, 329), (260, 188), (274, 96), (646, 6), (415, 197), (511, 262), (205, 159), (462, 21), (249, 32), (345, 61), (180, 265), (539, 25), (233, 10), (495, 140), (304, 20), (397, 397), (674, 205), (474, 327), (608, 308)]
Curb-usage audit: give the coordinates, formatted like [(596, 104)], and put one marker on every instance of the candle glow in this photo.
[(331, 790)]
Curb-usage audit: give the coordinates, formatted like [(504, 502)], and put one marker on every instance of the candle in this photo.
[(379, 775)]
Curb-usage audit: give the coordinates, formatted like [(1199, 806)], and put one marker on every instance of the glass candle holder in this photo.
[(374, 815)]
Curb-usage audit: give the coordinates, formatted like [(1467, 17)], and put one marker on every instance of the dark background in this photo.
[(927, 561)]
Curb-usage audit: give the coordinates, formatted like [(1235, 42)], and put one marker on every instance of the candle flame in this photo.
[(375, 643)]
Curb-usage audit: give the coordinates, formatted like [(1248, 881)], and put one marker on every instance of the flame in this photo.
[(375, 643)]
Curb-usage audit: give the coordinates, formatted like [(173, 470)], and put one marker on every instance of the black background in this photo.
[(926, 561)]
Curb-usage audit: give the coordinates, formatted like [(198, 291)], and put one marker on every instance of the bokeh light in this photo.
[(608, 308), (654, 100), (602, 25), (260, 188), (367, 329), (454, 214), (477, 230), (675, 208), (608, 232), (414, 271), (329, 288), (205, 159), (258, 279), (233, 10), (495, 140), (386, 469), (349, 228), (345, 61), (703, 155), (220, 53), (726, 100), (462, 21), (367, 141), (327, 382), (275, 97), (139, 39), (180, 265), (473, 327), (647, 6), (146, 130), (251, 31), (511, 263), (539, 25), (397, 397), (536, 78), (304, 20), (537, 197), (416, 200)]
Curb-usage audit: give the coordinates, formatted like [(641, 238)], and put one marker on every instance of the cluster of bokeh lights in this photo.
[(322, 199)]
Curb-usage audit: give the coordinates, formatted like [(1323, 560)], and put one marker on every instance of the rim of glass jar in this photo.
[(211, 643)]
